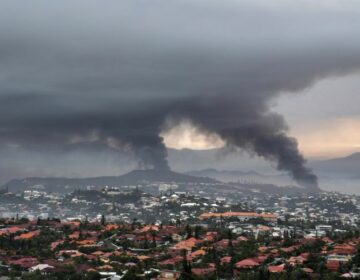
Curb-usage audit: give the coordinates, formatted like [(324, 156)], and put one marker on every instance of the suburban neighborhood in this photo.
[(181, 236)]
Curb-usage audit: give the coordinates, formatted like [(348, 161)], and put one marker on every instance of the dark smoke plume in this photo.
[(247, 124), (110, 74)]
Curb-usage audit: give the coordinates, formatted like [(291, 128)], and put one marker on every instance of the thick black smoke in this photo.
[(112, 73), (247, 124)]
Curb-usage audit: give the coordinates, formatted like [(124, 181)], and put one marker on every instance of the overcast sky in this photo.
[(80, 76), (326, 117)]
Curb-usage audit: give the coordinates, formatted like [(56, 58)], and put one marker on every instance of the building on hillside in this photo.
[(242, 216)]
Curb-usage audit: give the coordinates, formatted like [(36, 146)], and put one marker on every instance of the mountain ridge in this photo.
[(131, 178), (347, 166)]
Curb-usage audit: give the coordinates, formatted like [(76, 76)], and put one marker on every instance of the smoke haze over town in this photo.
[(179, 139), (123, 76)]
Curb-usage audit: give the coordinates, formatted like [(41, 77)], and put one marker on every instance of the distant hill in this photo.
[(162, 176), (247, 177), (348, 166), (132, 178), (266, 189), (139, 177), (185, 160)]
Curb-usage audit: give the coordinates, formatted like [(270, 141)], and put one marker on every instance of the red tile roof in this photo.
[(25, 262), (203, 271), (28, 235), (333, 265), (276, 268), (247, 263)]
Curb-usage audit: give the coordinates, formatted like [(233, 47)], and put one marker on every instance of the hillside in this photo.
[(348, 166), (132, 178), (251, 177)]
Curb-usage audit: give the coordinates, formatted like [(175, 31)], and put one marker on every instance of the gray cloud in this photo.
[(122, 67)]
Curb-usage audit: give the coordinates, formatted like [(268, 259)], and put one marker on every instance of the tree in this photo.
[(153, 235), (197, 232), (232, 266), (86, 223), (130, 275), (103, 220), (186, 273), (133, 223), (188, 232), (146, 243), (93, 275), (356, 258), (263, 273), (287, 239), (230, 244)]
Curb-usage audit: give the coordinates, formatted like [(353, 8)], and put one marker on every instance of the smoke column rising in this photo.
[(112, 73)]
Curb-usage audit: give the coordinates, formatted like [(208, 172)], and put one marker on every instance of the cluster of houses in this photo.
[(159, 251), (174, 203)]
